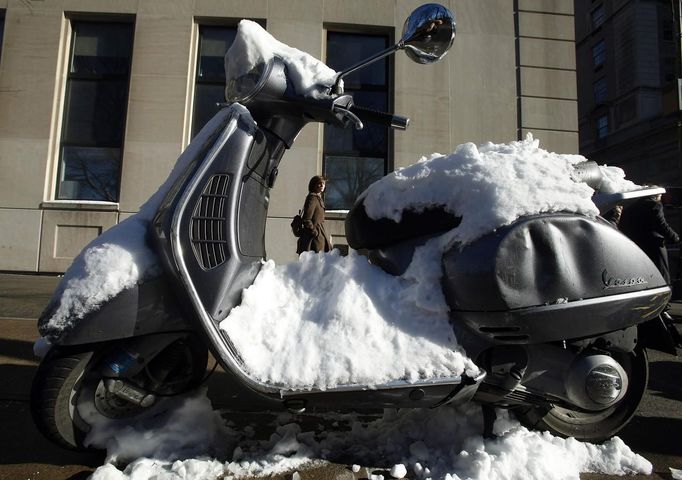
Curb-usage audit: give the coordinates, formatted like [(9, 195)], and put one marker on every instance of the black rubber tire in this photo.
[(594, 426), (52, 397), (65, 375)]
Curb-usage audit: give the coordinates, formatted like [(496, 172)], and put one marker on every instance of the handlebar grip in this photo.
[(375, 116), (588, 172)]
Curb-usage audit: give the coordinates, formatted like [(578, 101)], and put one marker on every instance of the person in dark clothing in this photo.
[(314, 236), (613, 215), (644, 223)]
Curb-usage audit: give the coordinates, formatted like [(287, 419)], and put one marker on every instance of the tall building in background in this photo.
[(627, 60), (98, 99)]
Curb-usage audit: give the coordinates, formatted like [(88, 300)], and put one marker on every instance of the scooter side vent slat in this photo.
[(505, 334), (207, 232), (499, 329)]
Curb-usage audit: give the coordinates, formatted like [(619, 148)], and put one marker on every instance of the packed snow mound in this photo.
[(329, 320), (253, 46), (192, 443), (489, 186)]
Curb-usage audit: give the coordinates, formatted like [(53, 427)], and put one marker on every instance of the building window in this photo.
[(353, 159), (94, 111), (598, 16), (599, 54), (600, 91), (602, 126), (209, 80)]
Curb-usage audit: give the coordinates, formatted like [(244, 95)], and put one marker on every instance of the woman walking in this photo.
[(314, 237)]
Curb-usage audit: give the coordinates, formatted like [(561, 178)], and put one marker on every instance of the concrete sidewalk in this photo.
[(26, 454), (24, 295)]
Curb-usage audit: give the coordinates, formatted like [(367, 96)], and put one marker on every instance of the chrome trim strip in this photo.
[(214, 333), (596, 300), (392, 385)]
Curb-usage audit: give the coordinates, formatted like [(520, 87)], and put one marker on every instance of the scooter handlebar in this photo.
[(396, 122)]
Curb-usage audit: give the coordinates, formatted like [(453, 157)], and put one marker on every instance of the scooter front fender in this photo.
[(146, 308)]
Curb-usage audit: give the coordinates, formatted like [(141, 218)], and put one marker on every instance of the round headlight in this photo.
[(247, 85)]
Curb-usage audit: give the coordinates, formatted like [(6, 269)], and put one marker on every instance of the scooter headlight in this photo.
[(246, 86)]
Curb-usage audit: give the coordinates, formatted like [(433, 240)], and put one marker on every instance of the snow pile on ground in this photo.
[(443, 443), (489, 186), (173, 433), (253, 46), (329, 320)]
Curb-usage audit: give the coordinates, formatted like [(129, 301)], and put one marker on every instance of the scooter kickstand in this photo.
[(489, 417)]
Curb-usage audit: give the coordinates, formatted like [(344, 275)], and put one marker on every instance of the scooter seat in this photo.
[(363, 232)]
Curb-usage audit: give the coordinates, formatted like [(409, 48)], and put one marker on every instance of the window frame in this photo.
[(388, 88), (598, 20), (602, 128), (599, 53), (198, 23), (60, 142), (600, 90)]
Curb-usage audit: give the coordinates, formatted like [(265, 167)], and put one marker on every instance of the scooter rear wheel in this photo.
[(66, 394), (594, 426)]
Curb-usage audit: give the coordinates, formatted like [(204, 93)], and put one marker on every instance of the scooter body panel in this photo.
[(551, 278), (565, 321), (145, 309), (546, 260)]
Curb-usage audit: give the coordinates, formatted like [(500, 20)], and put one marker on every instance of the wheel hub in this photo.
[(596, 382), (604, 384), (110, 403)]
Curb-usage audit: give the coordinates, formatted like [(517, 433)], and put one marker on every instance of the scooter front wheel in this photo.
[(594, 426), (68, 394)]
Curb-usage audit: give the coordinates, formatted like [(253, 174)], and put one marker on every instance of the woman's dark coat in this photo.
[(314, 237), (644, 223)]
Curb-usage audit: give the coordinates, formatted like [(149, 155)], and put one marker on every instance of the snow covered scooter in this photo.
[(576, 368)]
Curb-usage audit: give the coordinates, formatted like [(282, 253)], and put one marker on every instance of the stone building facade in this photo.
[(628, 54), (99, 97)]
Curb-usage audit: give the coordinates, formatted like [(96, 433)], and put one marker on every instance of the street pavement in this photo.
[(655, 432)]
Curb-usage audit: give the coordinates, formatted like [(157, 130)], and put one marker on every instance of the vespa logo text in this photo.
[(613, 282)]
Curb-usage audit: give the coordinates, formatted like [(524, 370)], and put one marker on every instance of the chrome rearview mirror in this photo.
[(428, 33), (427, 36)]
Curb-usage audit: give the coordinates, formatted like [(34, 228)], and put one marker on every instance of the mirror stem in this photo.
[(364, 63)]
